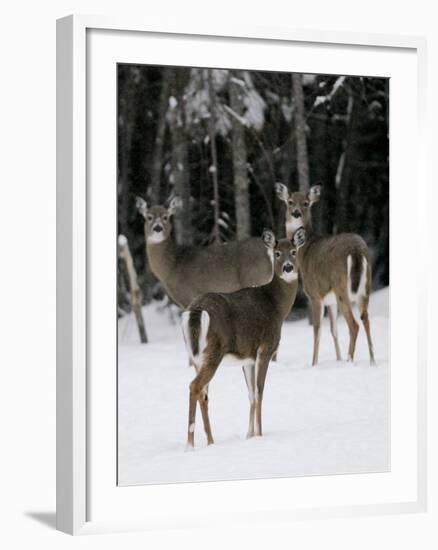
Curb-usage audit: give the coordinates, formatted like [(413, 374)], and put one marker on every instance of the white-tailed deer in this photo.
[(189, 271), (336, 271), (244, 326)]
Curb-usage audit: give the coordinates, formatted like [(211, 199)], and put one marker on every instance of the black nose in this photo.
[(158, 228), (288, 268), (296, 214)]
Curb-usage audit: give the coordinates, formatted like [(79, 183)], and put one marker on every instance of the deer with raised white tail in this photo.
[(335, 270), (189, 271), (244, 326)]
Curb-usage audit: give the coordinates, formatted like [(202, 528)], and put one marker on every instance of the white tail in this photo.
[(195, 349), (336, 272), (357, 295)]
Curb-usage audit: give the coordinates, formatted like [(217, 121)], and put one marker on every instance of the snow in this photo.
[(329, 419), (309, 79), (198, 100), (287, 109), (222, 223), (239, 118), (173, 102), (238, 81), (323, 99), (123, 241), (254, 104), (320, 100)]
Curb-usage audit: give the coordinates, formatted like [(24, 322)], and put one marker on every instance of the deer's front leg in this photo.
[(249, 373), (317, 311), (261, 368)]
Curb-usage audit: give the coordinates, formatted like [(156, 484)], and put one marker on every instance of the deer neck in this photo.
[(282, 294), (293, 225), (161, 257)]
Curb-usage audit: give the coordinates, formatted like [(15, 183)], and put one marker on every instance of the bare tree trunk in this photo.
[(134, 289), (127, 112), (289, 157), (157, 160), (300, 132), (214, 165), (180, 167), (343, 175), (299, 118), (320, 161), (241, 184)]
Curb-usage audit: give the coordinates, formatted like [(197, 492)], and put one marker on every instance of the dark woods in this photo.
[(220, 139)]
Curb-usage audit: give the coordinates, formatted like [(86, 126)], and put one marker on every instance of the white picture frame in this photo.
[(75, 217)]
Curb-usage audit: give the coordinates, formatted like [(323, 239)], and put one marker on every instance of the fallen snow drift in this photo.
[(330, 419)]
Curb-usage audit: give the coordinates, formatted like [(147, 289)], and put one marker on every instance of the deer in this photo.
[(335, 271), (190, 271), (244, 326)]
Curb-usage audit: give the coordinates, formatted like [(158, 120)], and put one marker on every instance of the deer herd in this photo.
[(237, 295)]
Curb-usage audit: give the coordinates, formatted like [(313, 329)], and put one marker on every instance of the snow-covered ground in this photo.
[(330, 419)]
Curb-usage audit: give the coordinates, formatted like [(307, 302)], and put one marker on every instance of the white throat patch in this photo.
[(293, 224), (155, 237), (289, 277)]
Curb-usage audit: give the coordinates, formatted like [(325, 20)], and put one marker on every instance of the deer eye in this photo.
[(277, 253), (306, 204), (291, 203), (150, 217), (294, 253), (165, 218)]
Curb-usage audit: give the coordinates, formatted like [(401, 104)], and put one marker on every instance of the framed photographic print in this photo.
[(239, 243)]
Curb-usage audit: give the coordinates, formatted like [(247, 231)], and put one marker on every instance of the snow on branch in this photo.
[(241, 119), (255, 105), (198, 106), (321, 99), (238, 81)]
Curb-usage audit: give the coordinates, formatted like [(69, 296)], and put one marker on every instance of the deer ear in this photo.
[(282, 191), (314, 193), (299, 238), (141, 206), (269, 238), (174, 204)]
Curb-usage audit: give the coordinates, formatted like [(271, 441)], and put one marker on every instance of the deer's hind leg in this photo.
[(197, 394), (333, 313), (363, 310), (353, 327), (249, 373)]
